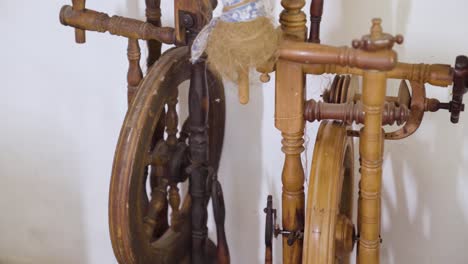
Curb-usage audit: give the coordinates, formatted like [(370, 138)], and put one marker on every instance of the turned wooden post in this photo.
[(293, 20), (289, 119), (316, 11), (198, 109), (134, 75), (289, 109), (371, 150), (153, 16), (172, 119)]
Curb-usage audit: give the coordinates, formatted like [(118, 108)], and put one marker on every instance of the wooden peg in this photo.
[(265, 69), (243, 79), (265, 77), (80, 34)]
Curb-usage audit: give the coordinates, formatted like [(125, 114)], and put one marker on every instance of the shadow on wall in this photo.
[(41, 208), (424, 201), (420, 199)]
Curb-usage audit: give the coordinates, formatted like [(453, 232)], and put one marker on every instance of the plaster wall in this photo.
[(63, 104)]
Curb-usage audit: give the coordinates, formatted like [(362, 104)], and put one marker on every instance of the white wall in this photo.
[(63, 104)]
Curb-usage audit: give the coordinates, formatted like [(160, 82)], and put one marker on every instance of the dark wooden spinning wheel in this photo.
[(152, 154)]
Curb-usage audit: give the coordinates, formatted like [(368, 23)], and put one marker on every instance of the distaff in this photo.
[(242, 38)]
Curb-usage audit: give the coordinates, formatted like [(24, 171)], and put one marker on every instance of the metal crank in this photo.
[(272, 229)]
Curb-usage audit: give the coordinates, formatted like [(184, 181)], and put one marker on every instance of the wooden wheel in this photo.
[(154, 226), (329, 232), (342, 90)]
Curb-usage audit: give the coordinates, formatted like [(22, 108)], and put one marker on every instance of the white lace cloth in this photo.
[(241, 13)]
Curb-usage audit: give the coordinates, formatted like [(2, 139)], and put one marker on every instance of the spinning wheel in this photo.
[(339, 91), (153, 221), (151, 152), (329, 231)]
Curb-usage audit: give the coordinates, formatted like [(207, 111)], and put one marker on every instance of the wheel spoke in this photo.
[(172, 119), (174, 201), (156, 220), (156, 206)]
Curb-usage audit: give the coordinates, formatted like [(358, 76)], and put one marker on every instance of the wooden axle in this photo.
[(353, 112), (311, 53), (434, 74), (126, 27)]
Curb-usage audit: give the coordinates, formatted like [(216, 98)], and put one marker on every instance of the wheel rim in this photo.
[(135, 163), (329, 195), (329, 232)]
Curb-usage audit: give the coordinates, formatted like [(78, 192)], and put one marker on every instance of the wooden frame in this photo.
[(372, 57)]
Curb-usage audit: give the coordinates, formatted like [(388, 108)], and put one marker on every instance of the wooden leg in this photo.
[(371, 149), (289, 120), (198, 139)]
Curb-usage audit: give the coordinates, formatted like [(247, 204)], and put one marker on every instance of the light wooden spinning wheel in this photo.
[(329, 231), (152, 152)]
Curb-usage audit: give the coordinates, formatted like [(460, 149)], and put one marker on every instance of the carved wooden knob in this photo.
[(265, 77), (399, 39), (376, 29), (377, 39)]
